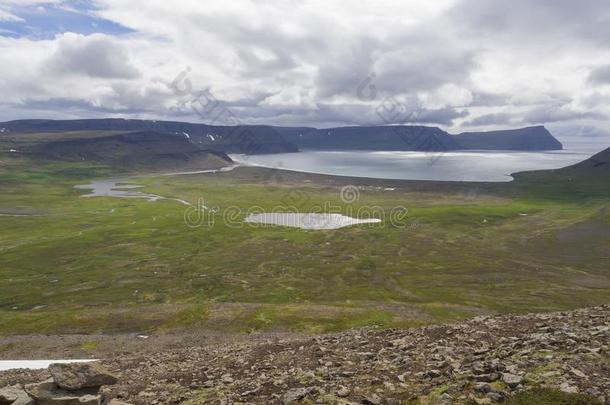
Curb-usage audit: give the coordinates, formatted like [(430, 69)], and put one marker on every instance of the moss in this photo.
[(546, 396), (88, 346), (498, 386), (90, 265)]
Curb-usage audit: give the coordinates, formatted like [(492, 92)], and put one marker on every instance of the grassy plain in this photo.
[(106, 265)]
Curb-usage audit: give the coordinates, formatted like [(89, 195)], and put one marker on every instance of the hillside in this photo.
[(248, 139), (530, 138), (584, 180), (484, 360), (598, 163), (408, 138), (255, 139), (419, 138), (134, 150)]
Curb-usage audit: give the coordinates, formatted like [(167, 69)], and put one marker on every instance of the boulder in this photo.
[(512, 380), (294, 395), (48, 393), (117, 402), (343, 392), (76, 376), (372, 399), (491, 377), (482, 387), (15, 395)]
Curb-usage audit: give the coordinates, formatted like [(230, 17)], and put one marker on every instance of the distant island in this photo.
[(257, 139)]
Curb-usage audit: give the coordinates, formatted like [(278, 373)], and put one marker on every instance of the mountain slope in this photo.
[(144, 149), (530, 138), (406, 138), (250, 139), (489, 359), (599, 162), (254, 139), (587, 179)]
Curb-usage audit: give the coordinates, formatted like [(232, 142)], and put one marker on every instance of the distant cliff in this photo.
[(132, 150), (419, 138), (530, 138), (248, 139), (401, 138), (257, 139)]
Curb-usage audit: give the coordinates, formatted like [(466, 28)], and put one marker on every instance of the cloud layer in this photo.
[(459, 64)]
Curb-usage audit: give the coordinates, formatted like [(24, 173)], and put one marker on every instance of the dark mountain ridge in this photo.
[(255, 139), (399, 137), (249, 139), (134, 150), (529, 138), (599, 162)]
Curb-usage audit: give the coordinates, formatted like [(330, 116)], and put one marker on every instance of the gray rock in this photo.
[(14, 395), (578, 373), (495, 396), (48, 393), (491, 377), (372, 399), (445, 399), (295, 394), (227, 379), (512, 380), (343, 392), (75, 376), (567, 387), (482, 387)]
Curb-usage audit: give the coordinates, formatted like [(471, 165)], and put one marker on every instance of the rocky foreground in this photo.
[(484, 360)]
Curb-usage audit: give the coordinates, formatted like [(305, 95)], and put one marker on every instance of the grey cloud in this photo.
[(526, 21), (486, 99), (306, 69), (424, 60), (95, 56), (342, 71), (597, 100), (242, 37), (545, 114), (72, 105), (441, 116), (491, 119), (373, 115), (402, 64), (600, 75)]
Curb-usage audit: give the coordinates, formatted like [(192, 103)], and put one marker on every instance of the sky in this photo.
[(456, 64)]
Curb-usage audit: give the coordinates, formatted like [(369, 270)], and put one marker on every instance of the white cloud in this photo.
[(95, 55), (7, 16), (466, 63)]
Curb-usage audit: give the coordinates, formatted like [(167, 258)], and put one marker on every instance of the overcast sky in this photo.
[(456, 64)]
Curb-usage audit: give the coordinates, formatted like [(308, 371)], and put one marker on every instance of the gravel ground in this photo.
[(484, 360)]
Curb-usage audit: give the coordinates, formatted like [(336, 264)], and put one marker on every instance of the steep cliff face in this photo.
[(419, 138), (523, 139), (402, 138), (249, 139), (256, 139), (144, 149)]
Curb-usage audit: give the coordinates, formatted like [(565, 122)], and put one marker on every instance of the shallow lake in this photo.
[(308, 220), (120, 189), (447, 166)]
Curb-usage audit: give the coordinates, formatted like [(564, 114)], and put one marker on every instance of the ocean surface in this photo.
[(447, 166)]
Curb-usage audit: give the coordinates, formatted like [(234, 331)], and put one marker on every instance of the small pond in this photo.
[(308, 220)]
